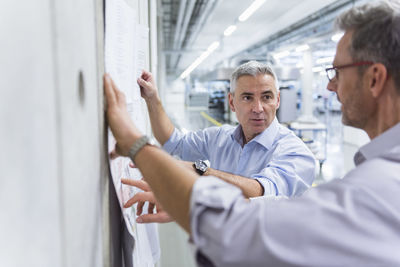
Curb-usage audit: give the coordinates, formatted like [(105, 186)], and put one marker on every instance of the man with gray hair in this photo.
[(276, 161), (349, 222)]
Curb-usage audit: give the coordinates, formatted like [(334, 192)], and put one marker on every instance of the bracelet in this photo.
[(139, 144)]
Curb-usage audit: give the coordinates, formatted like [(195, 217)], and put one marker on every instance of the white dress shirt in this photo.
[(354, 221)]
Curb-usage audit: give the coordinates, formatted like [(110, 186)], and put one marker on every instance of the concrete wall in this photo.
[(53, 181)]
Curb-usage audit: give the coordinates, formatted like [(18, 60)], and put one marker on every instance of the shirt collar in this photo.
[(378, 145), (266, 138)]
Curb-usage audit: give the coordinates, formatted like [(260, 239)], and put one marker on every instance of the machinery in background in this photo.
[(197, 97), (218, 91)]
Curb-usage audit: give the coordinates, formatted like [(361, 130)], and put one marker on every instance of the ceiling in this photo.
[(190, 26)]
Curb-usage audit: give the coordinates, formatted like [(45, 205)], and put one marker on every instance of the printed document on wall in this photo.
[(121, 55)]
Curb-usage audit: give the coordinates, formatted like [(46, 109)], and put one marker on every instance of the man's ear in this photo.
[(278, 99), (376, 76), (230, 98)]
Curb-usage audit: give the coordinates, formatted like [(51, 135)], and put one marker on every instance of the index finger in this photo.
[(137, 183)]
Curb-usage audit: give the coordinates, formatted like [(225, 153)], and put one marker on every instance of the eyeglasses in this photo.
[(333, 71)]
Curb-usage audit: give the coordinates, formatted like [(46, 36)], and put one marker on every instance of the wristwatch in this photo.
[(201, 166), (138, 145)]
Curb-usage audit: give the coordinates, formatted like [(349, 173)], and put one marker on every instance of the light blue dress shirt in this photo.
[(353, 221), (276, 158)]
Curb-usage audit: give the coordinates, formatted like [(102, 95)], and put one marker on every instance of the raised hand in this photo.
[(118, 118), (148, 88)]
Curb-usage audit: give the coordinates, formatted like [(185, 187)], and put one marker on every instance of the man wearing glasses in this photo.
[(349, 222)]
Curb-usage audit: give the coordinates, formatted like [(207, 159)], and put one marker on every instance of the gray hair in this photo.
[(252, 68), (376, 35)]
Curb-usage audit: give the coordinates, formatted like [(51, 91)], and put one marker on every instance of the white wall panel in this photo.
[(79, 130), (29, 189)]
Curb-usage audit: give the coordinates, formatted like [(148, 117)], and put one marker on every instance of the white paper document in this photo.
[(125, 57)]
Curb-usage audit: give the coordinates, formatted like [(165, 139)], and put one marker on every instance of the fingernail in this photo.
[(139, 220)]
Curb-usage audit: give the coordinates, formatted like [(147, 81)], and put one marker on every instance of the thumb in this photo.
[(114, 154)]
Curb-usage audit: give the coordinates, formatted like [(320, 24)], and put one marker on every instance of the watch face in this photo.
[(201, 165)]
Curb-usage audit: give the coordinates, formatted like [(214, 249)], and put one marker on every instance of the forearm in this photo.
[(250, 187), (160, 123), (170, 181)]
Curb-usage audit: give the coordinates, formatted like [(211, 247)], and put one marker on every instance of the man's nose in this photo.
[(257, 106), (332, 86)]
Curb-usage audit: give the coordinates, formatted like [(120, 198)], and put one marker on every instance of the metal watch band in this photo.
[(139, 144)]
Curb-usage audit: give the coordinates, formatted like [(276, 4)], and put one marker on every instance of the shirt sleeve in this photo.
[(289, 173), (192, 145), (329, 224)]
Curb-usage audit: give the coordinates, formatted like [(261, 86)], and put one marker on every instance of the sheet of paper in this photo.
[(142, 47), (120, 46), (121, 57), (141, 50)]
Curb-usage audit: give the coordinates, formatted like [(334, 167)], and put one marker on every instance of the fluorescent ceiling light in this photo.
[(250, 10), (230, 30), (336, 37), (302, 48), (200, 59), (317, 69), (281, 54), (324, 60), (213, 46)]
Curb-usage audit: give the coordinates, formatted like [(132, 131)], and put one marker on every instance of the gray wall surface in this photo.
[(54, 175)]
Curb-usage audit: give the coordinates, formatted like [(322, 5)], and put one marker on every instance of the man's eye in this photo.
[(246, 97), (267, 97)]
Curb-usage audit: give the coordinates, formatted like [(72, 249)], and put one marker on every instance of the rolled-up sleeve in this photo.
[(289, 173), (226, 228), (232, 231), (211, 200)]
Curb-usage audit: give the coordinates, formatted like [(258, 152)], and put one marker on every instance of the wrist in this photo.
[(208, 172), (153, 99), (126, 143), (138, 144)]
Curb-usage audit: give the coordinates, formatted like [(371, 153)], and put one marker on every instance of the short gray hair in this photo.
[(376, 35), (252, 68)]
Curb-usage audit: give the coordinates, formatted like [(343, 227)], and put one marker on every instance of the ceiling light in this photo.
[(230, 30), (336, 37), (324, 60), (250, 10), (213, 46), (302, 48), (281, 54), (200, 59)]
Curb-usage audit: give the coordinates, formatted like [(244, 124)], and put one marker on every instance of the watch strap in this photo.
[(139, 144)]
